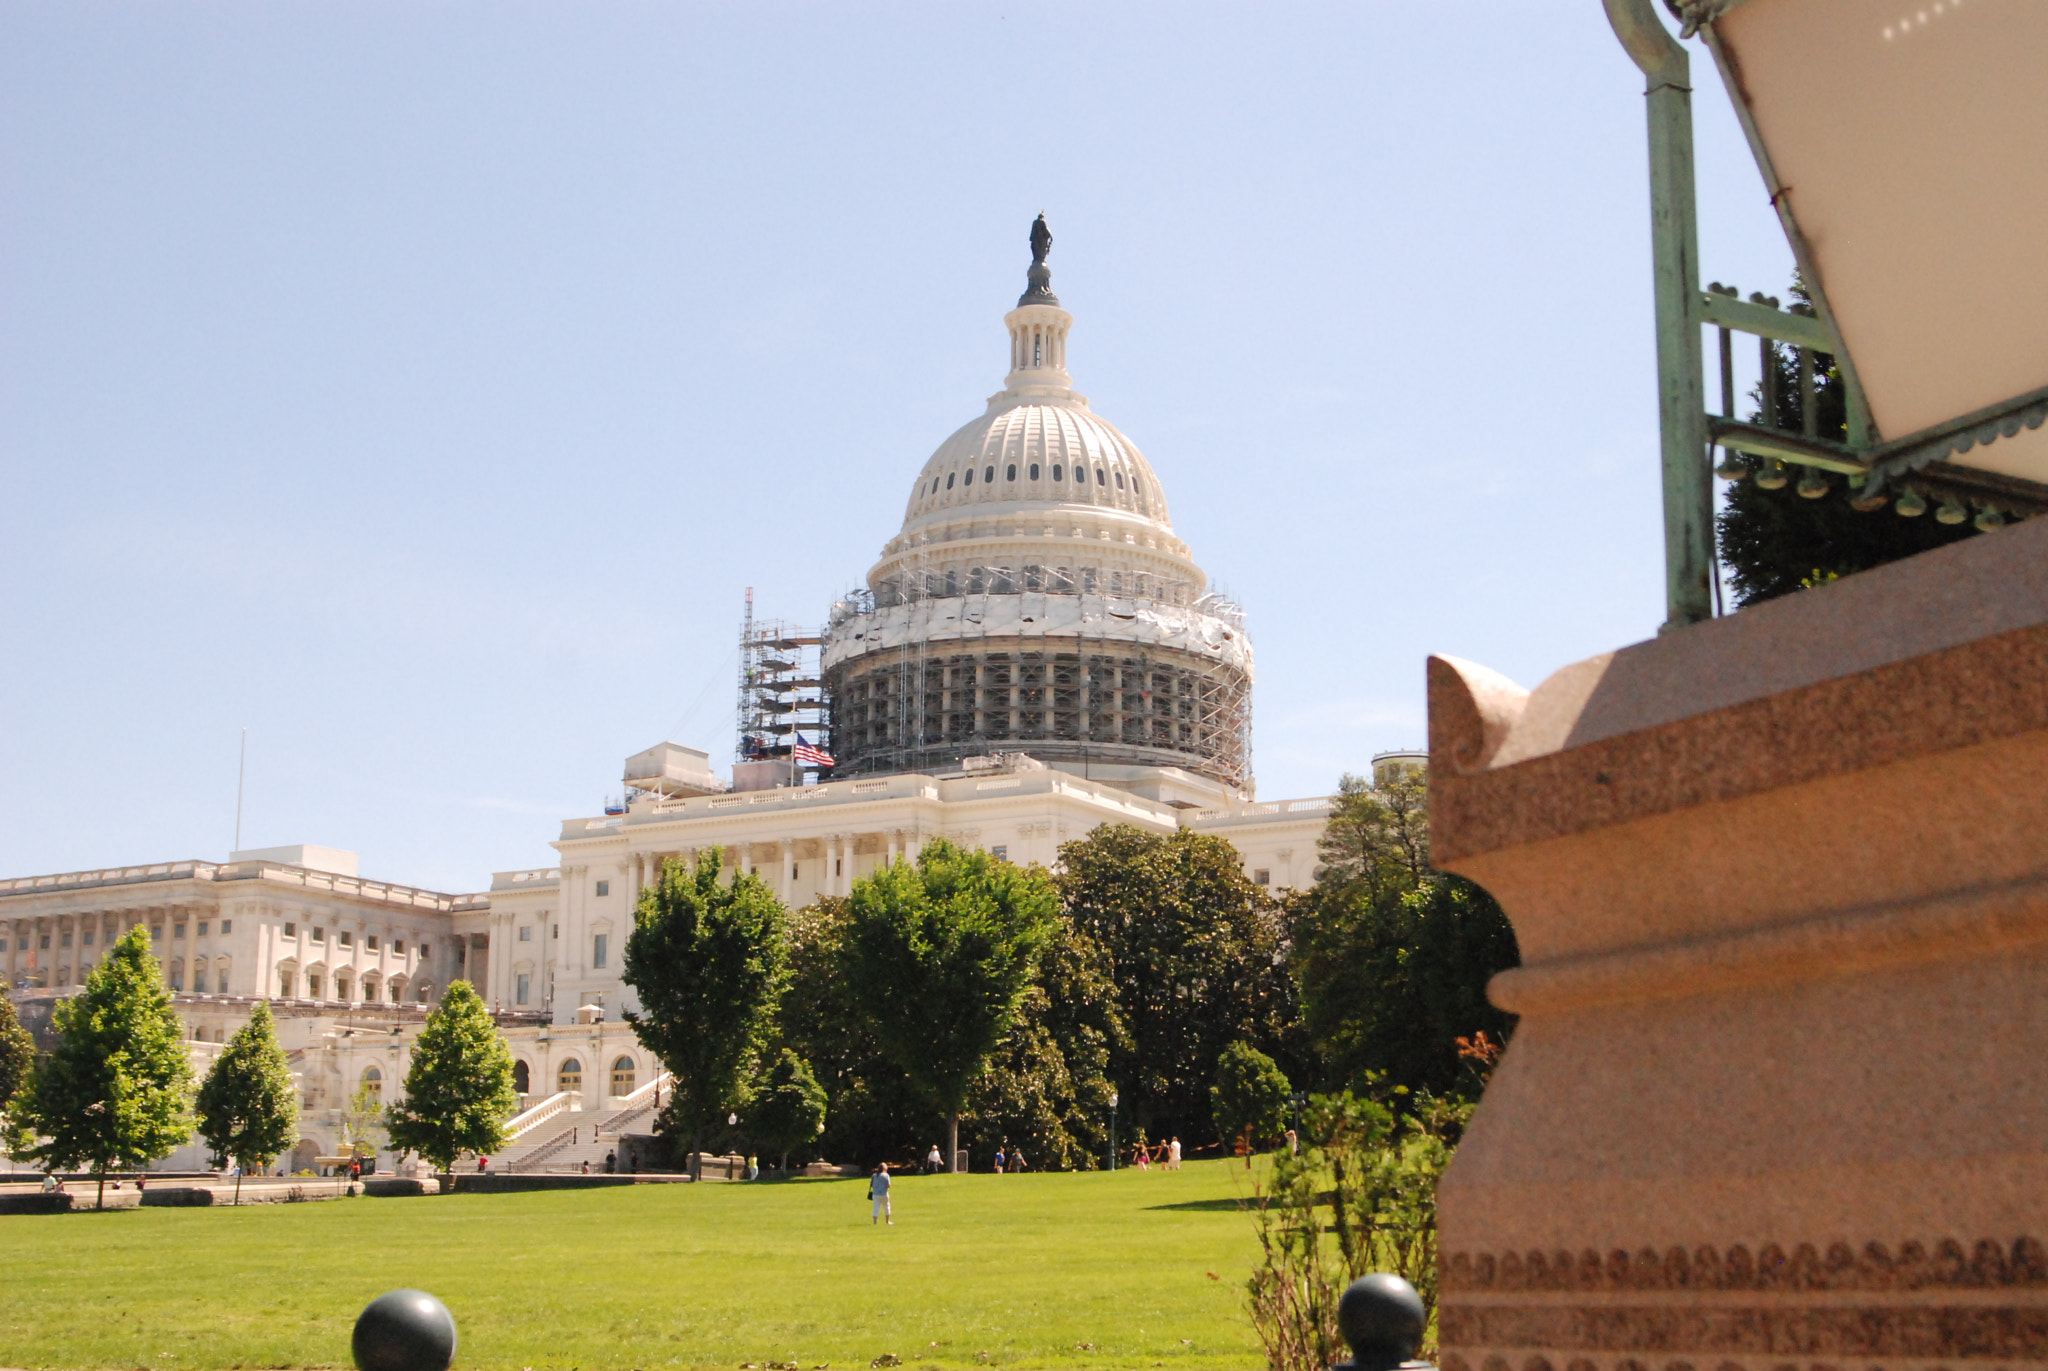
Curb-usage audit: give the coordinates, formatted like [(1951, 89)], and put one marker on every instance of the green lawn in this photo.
[(978, 1271)]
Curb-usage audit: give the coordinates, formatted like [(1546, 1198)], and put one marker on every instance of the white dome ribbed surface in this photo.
[(1036, 454)]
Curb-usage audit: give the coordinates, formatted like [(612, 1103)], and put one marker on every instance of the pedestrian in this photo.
[(878, 1192), (934, 1163), (999, 1156), (1293, 1144), (483, 1163), (1016, 1160), (611, 1163), (1173, 1155), (753, 1167)]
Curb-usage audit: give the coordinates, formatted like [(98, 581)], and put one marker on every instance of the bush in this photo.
[(1249, 1099)]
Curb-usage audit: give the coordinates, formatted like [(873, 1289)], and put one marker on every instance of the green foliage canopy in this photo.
[(1250, 1097), (1195, 951), (788, 1110), (708, 960), (248, 1110), (458, 1091), (117, 1090), (17, 1060), (939, 958)]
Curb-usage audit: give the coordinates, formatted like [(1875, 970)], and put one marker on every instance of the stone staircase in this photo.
[(562, 1139)]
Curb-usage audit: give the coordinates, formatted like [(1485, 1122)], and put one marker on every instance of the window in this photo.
[(990, 474), (522, 986), (622, 1076), (522, 1077), (570, 1077), (177, 930), (64, 938), (398, 946), (373, 1084), (970, 477), (1119, 480), (284, 984), (290, 930), (43, 943), (598, 947), (86, 939), (177, 975), (556, 932), (202, 928), (1000, 853), (370, 941), (312, 985), (949, 479), (398, 992), (425, 948), (526, 934), (1100, 480), (1136, 487), (838, 866), (1034, 471), (156, 932), (342, 988), (1011, 473), (345, 938), (319, 935), (1057, 471), (227, 926), (792, 871), (604, 887), (1262, 877), (220, 978)]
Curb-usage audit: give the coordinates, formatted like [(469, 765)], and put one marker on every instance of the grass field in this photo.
[(978, 1271)]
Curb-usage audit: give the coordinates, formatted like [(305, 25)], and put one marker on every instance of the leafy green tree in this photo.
[(1392, 957), (117, 1090), (789, 1109), (1195, 951), (362, 1119), (458, 1091), (1777, 541), (940, 957), (248, 1110), (1249, 1099), (1047, 1087), (708, 960), (17, 1060)]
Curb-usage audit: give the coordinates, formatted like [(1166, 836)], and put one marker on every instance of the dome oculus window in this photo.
[(949, 479), (970, 477), (990, 475), (1034, 471), (1011, 474), (1057, 474)]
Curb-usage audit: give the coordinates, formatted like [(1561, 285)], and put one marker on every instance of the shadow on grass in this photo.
[(1203, 1206)]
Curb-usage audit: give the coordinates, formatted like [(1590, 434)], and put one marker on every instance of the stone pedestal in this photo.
[(1778, 1097)]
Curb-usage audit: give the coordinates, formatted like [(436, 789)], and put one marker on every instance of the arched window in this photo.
[(976, 581), (1058, 472), (952, 581), (1100, 479), (522, 1077), (373, 1084), (1011, 474), (970, 477), (990, 474), (949, 479), (177, 975), (622, 1076), (1034, 471), (1119, 480), (1136, 487), (570, 1077)]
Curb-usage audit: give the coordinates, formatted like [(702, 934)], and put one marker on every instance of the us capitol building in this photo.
[(1035, 654)]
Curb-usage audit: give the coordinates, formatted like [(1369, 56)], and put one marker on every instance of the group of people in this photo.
[(1167, 1154)]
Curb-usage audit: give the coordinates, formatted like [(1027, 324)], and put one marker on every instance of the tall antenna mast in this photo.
[(241, 775)]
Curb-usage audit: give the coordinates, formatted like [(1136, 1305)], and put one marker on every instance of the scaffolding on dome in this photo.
[(1061, 686), (781, 694)]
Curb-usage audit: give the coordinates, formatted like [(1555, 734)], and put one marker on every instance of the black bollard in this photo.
[(405, 1330), (1383, 1319)]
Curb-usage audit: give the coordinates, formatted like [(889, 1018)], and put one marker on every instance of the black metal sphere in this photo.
[(405, 1330), (1382, 1318)]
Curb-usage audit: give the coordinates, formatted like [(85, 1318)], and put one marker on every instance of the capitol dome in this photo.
[(1036, 563)]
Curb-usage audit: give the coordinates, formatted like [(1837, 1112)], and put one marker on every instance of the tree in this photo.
[(1195, 950), (458, 1091), (708, 960), (248, 1110), (1393, 958), (1777, 541), (1047, 1087), (1249, 1099), (17, 1061), (939, 957), (789, 1109), (117, 1090), (362, 1119)]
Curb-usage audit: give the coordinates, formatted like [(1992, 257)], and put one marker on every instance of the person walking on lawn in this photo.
[(878, 1192)]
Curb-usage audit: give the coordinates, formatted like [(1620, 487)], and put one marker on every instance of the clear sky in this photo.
[(421, 385)]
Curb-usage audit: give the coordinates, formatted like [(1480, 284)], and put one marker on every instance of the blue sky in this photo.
[(420, 385)]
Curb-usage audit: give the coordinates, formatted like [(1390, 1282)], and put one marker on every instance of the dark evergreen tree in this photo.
[(1778, 541)]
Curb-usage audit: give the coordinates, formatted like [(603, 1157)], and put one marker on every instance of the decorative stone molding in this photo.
[(1946, 1265)]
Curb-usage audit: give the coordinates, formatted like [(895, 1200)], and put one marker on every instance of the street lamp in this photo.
[(1112, 1130)]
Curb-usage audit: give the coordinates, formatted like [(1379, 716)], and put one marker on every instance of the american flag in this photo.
[(806, 755)]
